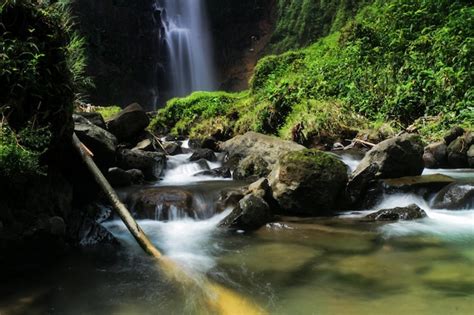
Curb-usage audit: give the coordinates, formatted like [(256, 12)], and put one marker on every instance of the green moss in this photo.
[(108, 112), (314, 159)]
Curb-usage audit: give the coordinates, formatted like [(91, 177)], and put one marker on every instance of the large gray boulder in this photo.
[(150, 163), (436, 155), (101, 142), (254, 146), (251, 213), (308, 182), (129, 123), (457, 196), (393, 158)]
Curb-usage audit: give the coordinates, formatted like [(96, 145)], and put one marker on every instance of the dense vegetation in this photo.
[(41, 72), (400, 61)]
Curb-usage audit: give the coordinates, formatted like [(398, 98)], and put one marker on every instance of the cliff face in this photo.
[(241, 32), (127, 62), (123, 49)]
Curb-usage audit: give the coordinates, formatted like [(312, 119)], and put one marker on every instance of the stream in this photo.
[(338, 265)]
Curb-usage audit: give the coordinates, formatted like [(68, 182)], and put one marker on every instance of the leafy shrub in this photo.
[(20, 152)]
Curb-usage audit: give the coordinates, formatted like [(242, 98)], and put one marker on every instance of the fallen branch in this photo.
[(364, 142)]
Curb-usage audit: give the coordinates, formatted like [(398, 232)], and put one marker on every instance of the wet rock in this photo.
[(260, 188), (251, 213), (173, 148), (411, 212), (161, 203), (203, 164), (206, 154), (252, 166), (101, 142), (118, 177), (457, 196), (129, 123), (453, 134), (393, 158), (95, 118), (436, 155), (150, 163), (308, 182), (84, 227), (204, 143), (136, 176), (424, 185), (229, 198), (57, 226), (267, 147), (457, 153), (223, 172), (145, 145), (470, 156)]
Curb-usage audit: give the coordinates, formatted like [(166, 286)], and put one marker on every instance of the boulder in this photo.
[(93, 117), (251, 213), (101, 142), (470, 156), (161, 203), (453, 134), (308, 182), (393, 158), (206, 154), (129, 123), (457, 153), (411, 212), (252, 143), (252, 166), (457, 196), (205, 143), (145, 145), (118, 177), (173, 148), (436, 155), (229, 198), (150, 163)]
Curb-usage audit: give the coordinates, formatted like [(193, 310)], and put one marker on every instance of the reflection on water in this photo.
[(304, 266)]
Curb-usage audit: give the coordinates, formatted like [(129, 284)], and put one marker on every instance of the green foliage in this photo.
[(108, 112), (393, 61), (20, 152), (41, 72), (185, 113), (301, 22)]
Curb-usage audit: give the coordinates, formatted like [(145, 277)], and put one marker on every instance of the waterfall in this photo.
[(187, 41)]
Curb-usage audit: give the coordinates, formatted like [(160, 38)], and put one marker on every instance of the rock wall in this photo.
[(123, 49)]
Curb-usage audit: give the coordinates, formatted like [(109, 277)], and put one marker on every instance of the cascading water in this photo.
[(188, 46)]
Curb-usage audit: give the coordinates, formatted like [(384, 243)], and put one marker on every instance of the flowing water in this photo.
[(339, 265), (188, 44)]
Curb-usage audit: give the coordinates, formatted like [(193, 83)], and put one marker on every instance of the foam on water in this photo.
[(446, 224), (188, 242), (181, 171)]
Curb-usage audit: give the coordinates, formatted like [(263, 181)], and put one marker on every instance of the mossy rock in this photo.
[(308, 182)]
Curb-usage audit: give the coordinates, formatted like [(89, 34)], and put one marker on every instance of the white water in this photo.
[(186, 241), (180, 171), (188, 43)]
